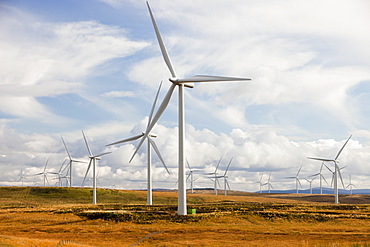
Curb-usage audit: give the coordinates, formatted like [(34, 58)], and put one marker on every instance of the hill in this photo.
[(51, 216)]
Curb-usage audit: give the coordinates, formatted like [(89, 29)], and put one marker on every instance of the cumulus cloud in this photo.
[(44, 59)]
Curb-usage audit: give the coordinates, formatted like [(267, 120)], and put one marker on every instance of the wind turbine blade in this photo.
[(272, 186), (208, 78), (328, 168), (161, 44), (268, 180), (158, 153), (153, 106), (61, 167), (87, 171), (229, 166), (314, 175), (327, 160), (99, 155), (218, 164), (187, 162), (299, 171), (126, 140), (322, 164), (219, 185), (340, 175), (46, 164), (342, 147), (227, 183), (161, 109), (187, 178), (87, 145), (66, 148), (299, 182), (324, 178)]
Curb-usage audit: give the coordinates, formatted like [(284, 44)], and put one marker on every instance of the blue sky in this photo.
[(96, 65)]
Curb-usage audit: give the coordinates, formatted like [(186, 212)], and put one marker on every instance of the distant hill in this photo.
[(317, 191)]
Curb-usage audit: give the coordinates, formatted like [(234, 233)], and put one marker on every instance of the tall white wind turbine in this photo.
[(180, 82), (93, 161), (321, 177), (336, 170), (297, 180), (151, 143), (71, 161)]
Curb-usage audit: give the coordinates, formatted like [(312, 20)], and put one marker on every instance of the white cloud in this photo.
[(118, 94), (43, 59)]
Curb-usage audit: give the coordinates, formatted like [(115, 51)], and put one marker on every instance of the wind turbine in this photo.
[(93, 161), (350, 184), (181, 83), (71, 160), (43, 173), (336, 169), (297, 180), (151, 143), (22, 176), (226, 183), (321, 177), (215, 176), (260, 183), (191, 175), (269, 185), (310, 181)]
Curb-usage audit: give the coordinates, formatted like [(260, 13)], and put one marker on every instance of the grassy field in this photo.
[(51, 216)]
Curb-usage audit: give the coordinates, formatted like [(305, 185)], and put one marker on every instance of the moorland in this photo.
[(58, 216)]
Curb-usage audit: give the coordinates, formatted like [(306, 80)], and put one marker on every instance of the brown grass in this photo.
[(240, 219)]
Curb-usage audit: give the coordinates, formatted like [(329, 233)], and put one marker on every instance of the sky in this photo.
[(95, 66)]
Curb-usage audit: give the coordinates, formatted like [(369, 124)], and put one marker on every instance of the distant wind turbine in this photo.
[(215, 177), (181, 83), (93, 161), (43, 173), (321, 177), (151, 143), (191, 176), (297, 180), (269, 185), (225, 177), (22, 176), (350, 185), (260, 183), (310, 181), (71, 160), (336, 170)]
